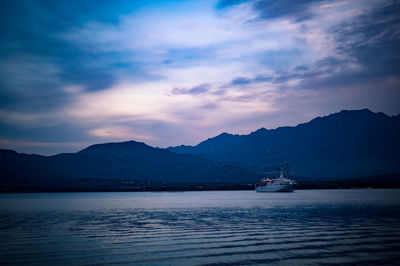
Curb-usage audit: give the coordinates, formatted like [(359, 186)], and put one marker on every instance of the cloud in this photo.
[(298, 10), (25, 78), (35, 65), (171, 73), (373, 39), (119, 133), (43, 148), (149, 30), (199, 89), (301, 68), (228, 3), (242, 81)]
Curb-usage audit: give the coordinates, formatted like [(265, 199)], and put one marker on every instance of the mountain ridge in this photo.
[(343, 145), (363, 129), (263, 129)]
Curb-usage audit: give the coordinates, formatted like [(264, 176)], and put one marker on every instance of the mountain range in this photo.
[(340, 146), (347, 144), (124, 161)]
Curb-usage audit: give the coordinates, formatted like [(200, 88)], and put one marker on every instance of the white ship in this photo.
[(280, 184)]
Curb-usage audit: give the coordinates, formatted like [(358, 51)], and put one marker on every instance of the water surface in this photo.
[(307, 227)]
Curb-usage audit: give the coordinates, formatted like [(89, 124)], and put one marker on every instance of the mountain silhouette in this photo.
[(347, 144), (344, 145), (129, 160)]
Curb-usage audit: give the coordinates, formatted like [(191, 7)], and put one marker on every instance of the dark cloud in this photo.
[(41, 139), (63, 132), (227, 3), (241, 81), (368, 46), (91, 79), (299, 10), (373, 39), (301, 68), (36, 63), (369, 41), (199, 89), (330, 64), (278, 78), (330, 71), (28, 83), (186, 56)]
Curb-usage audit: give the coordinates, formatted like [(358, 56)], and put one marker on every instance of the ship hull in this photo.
[(275, 188)]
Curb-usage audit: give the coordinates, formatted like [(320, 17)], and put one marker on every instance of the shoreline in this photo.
[(179, 188)]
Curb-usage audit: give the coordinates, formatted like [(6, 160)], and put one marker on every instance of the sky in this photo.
[(74, 73)]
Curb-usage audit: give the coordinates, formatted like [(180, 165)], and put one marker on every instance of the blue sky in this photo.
[(73, 73)]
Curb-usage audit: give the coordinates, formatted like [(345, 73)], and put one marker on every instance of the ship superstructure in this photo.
[(280, 184), (279, 179)]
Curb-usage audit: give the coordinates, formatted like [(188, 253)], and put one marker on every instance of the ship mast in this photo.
[(278, 163)]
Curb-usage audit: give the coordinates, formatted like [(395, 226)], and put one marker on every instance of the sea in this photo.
[(306, 227)]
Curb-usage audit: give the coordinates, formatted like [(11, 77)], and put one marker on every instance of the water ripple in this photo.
[(305, 234)]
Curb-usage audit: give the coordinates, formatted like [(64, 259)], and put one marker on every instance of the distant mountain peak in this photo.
[(364, 110), (348, 114), (126, 145), (260, 130), (224, 134)]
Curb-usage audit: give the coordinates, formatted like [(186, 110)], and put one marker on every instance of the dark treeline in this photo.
[(112, 185)]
